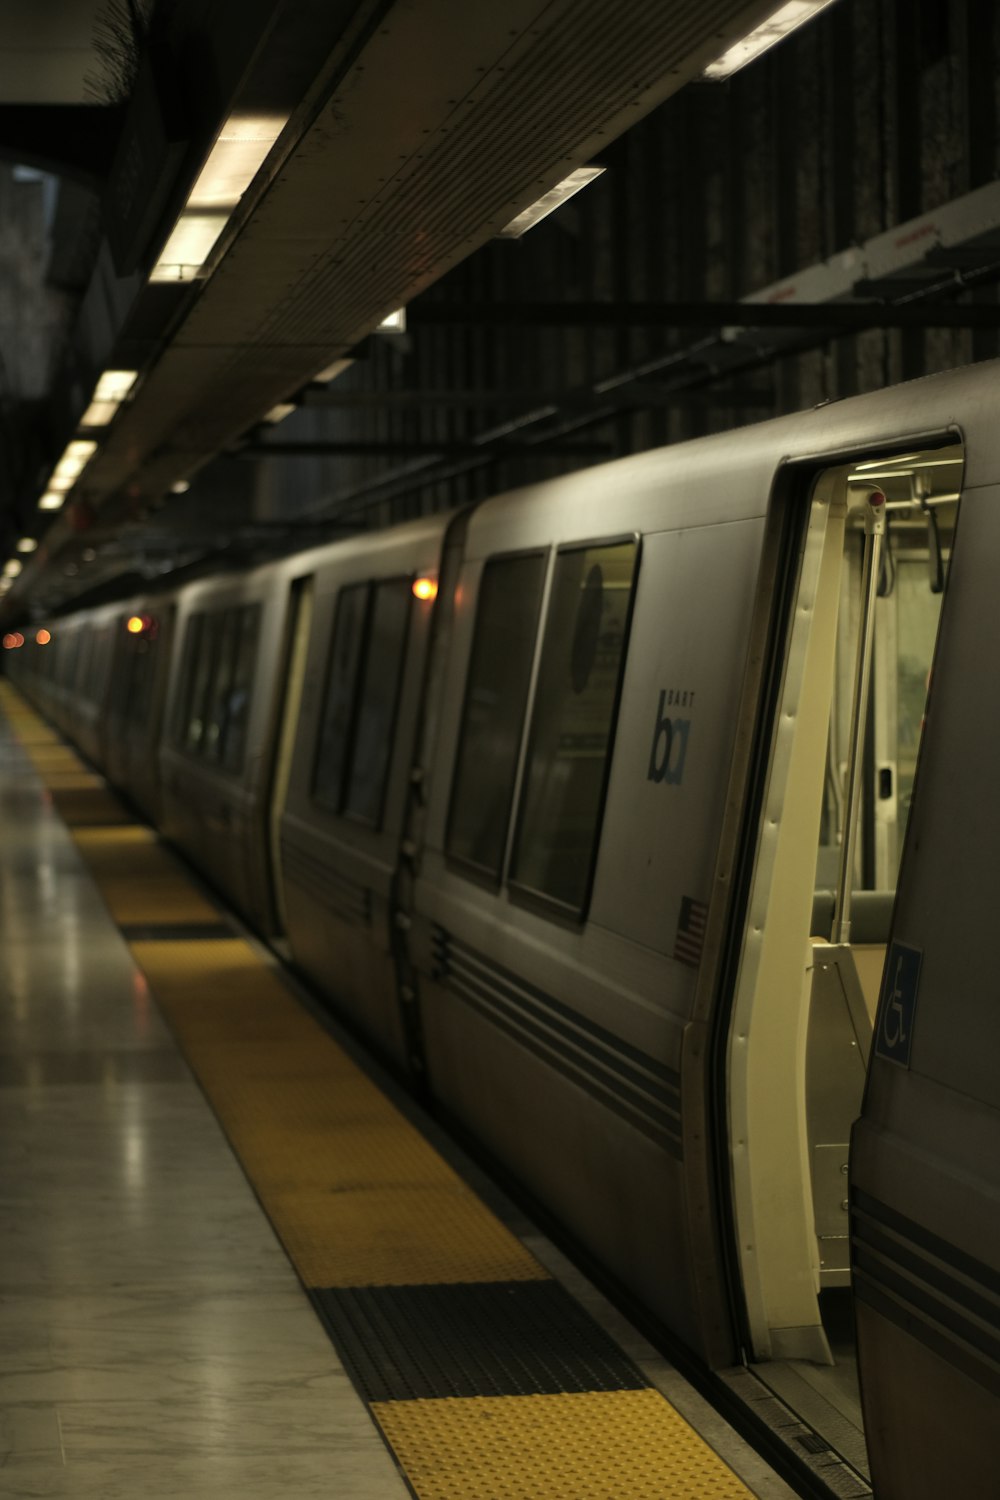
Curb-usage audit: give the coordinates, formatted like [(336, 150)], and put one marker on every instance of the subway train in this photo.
[(596, 807)]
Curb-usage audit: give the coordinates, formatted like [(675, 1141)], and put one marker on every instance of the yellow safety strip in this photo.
[(359, 1198), (601, 1445)]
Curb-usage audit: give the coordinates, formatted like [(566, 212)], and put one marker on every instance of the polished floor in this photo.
[(156, 1339)]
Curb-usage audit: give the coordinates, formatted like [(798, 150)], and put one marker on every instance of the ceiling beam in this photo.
[(841, 317), (356, 448), (630, 393)]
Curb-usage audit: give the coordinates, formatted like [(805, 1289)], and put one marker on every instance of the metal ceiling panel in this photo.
[(443, 122)]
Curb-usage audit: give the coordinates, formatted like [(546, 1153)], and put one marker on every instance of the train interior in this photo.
[(848, 717)]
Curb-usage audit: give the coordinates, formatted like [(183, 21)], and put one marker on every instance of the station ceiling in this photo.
[(405, 135), (394, 139)]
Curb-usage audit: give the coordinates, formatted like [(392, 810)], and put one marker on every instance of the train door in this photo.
[(300, 615), (837, 787)]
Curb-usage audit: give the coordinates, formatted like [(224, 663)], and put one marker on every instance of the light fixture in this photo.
[(43, 637), (115, 385), (549, 202), (109, 393), (12, 567), (280, 412), (99, 414), (779, 24), (180, 486), (394, 322), (51, 500), (425, 589), (27, 544), (232, 164)]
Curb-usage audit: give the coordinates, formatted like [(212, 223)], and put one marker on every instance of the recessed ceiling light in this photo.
[(779, 24), (549, 202)]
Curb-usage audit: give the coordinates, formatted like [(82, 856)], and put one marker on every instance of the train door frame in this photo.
[(806, 541), (298, 630)]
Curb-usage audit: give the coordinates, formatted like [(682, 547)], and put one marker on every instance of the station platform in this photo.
[(237, 1259)]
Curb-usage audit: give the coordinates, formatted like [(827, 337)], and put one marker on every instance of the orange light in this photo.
[(135, 624), (18, 638), (9, 641), (425, 589), (43, 637)]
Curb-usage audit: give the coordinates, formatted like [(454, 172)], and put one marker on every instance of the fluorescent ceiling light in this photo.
[(784, 20), (51, 500), (394, 322), (280, 412), (27, 544), (99, 414), (550, 201), (189, 246), (233, 162), (115, 385), (109, 393)]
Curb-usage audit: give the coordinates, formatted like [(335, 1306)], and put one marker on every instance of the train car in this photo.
[(346, 779), (603, 844), (221, 725), (665, 816), (133, 722)]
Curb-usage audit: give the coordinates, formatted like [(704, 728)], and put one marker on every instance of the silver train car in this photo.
[(597, 808)]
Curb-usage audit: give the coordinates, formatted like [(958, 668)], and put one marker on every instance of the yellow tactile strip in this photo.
[(603, 1445), (360, 1200), (357, 1196), (140, 880)]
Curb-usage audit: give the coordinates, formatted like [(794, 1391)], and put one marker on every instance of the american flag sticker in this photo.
[(691, 931)]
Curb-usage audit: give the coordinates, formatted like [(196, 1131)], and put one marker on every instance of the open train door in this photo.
[(925, 1154)]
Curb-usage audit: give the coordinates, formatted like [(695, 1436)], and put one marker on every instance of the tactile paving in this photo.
[(91, 804), (142, 884), (357, 1196), (499, 1339), (607, 1445)]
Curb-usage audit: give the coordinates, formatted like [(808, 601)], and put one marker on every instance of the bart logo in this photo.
[(670, 743)]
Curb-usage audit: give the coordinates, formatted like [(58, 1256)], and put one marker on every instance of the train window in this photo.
[(218, 698), (205, 664), (573, 723), (372, 730), (185, 684), (496, 696), (238, 706), (338, 704)]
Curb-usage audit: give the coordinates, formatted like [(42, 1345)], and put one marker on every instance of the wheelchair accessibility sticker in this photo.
[(898, 1007)]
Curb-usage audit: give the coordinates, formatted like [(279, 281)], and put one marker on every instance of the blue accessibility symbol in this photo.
[(898, 1004)]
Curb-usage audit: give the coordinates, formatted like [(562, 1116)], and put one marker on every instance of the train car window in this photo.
[(378, 695), (496, 696), (218, 699), (573, 723), (338, 703), (238, 705), (185, 685), (205, 665)]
